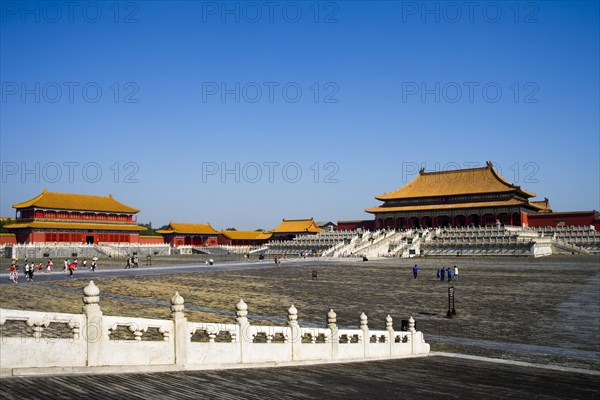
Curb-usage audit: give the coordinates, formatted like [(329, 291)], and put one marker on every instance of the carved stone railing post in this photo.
[(93, 332), (412, 331), (181, 335), (244, 336), (335, 334), (364, 327), (390, 336), (389, 327), (295, 333)]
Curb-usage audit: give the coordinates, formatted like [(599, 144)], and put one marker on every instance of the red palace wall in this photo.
[(224, 240), (70, 237), (151, 240), (212, 241), (7, 238), (352, 225), (524, 219), (566, 219), (180, 240)]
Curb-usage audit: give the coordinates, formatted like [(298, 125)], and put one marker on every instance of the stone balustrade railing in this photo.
[(44, 342)]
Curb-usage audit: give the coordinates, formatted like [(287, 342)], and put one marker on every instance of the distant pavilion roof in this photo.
[(324, 223), (297, 226), (544, 205), (188, 229), (456, 182), (80, 202), (246, 235)]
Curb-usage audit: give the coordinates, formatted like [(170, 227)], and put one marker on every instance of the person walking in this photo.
[(449, 272), (72, 268), (442, 274), (26, 271), (93, 265), (49, 266), (29, 271), (128, 265), (13, 273), (438, 274), (415, 271), (455, 273)]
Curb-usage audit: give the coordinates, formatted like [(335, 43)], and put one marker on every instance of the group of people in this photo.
[(132, 262), (30, 268), (442, 273), (72, 266), (448, 272)]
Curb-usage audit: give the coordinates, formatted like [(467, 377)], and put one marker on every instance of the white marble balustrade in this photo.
[(117, 343)]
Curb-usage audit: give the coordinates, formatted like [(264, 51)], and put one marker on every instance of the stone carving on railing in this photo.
[(38, 325), (75, 328)]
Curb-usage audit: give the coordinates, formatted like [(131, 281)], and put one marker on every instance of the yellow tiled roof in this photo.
[(509, 202), (543, 205), (455, 182), (264, 236), (81, 202), (296, 226), (74, 225), (246, 235), (188, 229)]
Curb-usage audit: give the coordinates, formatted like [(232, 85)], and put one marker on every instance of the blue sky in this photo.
[(244, 113)]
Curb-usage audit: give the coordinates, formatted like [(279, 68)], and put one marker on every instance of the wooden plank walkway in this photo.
[(435, 377)]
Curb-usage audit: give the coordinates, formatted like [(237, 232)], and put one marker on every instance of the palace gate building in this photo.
[(182, 234), (464, 197), (290, 228), (81, 218)]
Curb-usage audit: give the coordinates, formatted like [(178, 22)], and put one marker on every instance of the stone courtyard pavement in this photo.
[(434, 377)]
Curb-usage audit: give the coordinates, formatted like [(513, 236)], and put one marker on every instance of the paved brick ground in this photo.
[(435, 377)]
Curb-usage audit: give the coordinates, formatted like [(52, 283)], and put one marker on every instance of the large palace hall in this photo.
[(464, 197)]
